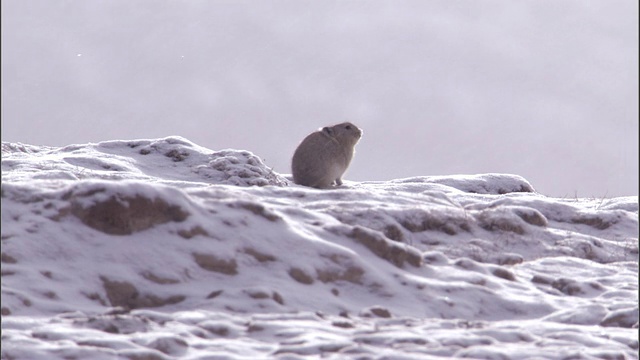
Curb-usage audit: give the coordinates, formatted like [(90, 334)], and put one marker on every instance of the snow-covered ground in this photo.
[(159, 249)]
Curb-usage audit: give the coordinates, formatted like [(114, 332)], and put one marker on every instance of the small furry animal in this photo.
[(324, 155)]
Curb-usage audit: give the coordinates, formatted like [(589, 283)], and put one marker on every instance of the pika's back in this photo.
[(324, 155)]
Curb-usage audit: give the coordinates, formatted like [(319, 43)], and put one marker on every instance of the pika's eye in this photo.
[(348, 127)]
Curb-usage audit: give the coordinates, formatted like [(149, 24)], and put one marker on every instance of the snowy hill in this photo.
[(161, 249)]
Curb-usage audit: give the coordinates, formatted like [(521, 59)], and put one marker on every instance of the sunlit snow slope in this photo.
[(164, 249)]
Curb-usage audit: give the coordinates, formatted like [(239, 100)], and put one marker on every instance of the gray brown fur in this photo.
[(324, 155)]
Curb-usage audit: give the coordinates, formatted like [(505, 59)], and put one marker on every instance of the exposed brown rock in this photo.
[(124, 215), (216, 264), (126, 295), (261, 257), (397, 254), (300, 276)]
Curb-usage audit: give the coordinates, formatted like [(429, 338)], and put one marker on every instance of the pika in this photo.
[(324, 155)]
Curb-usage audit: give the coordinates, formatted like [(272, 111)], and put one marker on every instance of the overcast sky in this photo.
[(544, 89)]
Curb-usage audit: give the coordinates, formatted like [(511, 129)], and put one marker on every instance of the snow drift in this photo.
[(163, 249)]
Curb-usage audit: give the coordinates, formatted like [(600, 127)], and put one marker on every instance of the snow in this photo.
[(164, 249)]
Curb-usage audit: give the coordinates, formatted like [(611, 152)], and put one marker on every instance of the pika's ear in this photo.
[(327, 130)]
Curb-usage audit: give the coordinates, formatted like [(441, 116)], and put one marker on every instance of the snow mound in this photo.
[(163, 249), (173, 160), (496, 184)]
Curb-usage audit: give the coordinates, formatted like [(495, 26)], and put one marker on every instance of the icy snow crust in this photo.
[(163, 249)]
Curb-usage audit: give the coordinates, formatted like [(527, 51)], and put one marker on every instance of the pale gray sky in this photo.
[(544, 89)]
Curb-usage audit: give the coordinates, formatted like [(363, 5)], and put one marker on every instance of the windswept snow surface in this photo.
[(161, 249)]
